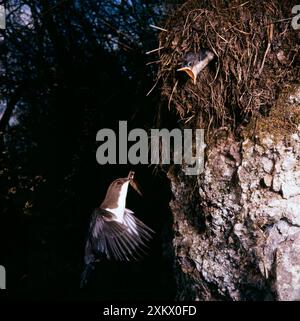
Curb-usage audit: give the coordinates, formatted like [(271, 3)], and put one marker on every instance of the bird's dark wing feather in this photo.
[(136, 226), (116, 240)]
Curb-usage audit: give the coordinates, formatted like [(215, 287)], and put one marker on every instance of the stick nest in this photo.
[(256, 55)]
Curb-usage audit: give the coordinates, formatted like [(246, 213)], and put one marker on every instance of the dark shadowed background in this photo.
[(68, 69)]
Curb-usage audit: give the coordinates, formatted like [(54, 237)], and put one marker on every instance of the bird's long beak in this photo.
[(190, 72), (133, 183)]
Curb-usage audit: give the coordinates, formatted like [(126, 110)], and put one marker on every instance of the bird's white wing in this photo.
[(136, 226), (120, 241)]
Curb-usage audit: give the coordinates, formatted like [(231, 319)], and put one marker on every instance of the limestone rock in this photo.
[(288, 269), (237, 225)]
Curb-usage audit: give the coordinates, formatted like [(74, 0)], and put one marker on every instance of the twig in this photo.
[(265, 55), (240, 5), (158, 28), (173, 90), (270, 31), (150, 91), (154, 50), (218, 33), (188, 119), (153, 62)]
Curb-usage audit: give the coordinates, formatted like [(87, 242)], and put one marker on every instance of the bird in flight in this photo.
[(114, 231)]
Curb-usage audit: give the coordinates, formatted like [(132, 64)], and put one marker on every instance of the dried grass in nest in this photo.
[(256, 53), (283, 119)]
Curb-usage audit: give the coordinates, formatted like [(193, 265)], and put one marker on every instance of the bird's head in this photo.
[(117, 191), (193, 63)]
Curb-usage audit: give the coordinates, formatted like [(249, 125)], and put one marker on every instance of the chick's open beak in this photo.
[(190, 72)]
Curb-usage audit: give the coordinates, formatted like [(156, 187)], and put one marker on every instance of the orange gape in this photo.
[(193, 63)]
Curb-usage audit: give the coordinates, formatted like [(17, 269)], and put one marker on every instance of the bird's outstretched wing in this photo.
[(120, 241)]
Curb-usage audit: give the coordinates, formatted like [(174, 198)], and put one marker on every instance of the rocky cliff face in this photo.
[(237, 225)]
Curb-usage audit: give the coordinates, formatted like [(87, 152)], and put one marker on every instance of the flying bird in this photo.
[(114, 231), (193, 63)]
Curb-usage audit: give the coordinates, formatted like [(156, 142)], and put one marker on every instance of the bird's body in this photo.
[(114, 232), (193, 63)]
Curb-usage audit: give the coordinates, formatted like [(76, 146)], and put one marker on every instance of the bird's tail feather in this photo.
[(89, 260), (86, 274)]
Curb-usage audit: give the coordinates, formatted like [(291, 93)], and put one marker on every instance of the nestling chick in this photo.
[(193, 63)]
